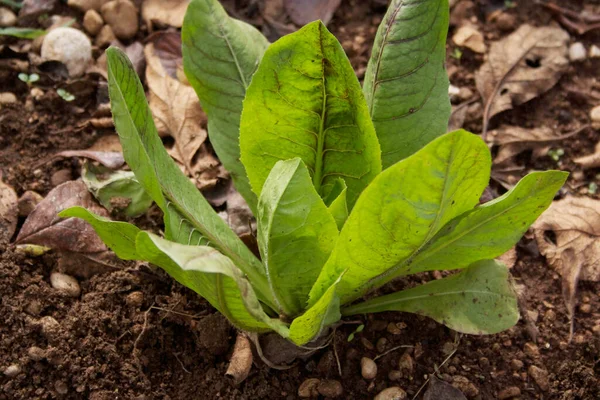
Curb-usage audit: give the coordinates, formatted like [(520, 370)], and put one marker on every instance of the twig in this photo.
[(335, 353), (437, 369), (180, 363), (393, 349)]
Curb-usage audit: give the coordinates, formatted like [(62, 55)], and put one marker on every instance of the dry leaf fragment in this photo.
[(177, 111), (109, 159), (44, 227), (514, 140), (302, 12), (9, 214), (241, 360), (575, 250), (164, 12), (590, 160), (522, 66), (469, 36)]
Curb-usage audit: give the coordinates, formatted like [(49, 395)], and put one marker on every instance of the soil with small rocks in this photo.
[(136, 334)]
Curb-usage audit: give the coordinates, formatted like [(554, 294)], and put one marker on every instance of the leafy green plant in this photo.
[(332, 225)]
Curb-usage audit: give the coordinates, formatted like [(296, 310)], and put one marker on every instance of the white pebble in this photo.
[(594, 51), (7, 17), (368, 368), (391, 393), (65, 283), (577, 52), (7, 98), (69, 46), (595, 117), (12, 370)]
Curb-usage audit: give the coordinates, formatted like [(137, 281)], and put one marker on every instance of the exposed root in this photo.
[(254, 338)]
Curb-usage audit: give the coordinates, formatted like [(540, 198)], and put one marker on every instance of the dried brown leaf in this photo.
[(109, 159), (9, 213), (440, 390), (514, 140), (164, 12), (302, 12), (241, 360), (44, 227), (177, 111), (590, 160), (574, 252), (520, 67)]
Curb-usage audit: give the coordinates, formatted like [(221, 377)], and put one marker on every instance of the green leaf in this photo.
[(22, 33), (479, 300), (402, 209), (220, 55), (337, 203), (325, 312), (305, 101), (116, 190), (118, 236), (189, 218), (296, 234), (491, 229), (406, 85), (212, 275)]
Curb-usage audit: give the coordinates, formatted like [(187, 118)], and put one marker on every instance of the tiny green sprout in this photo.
[(359, 329), (457, 53), (593, 188), (509, 4), (556, 154), (66, 96), (28, 79)]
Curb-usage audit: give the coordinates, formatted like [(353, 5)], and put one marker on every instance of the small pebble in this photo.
[(308, 388), (69, 46), (577, 52), (509, 393), (585, 308), (406, 365), (36, 354), (540, 377), (12, 370), (105, 37), (453, 91), (65, 284), (506, 22), (594, 51), (531, 349), (516, 364), (7, 98), (36, 93), (7, 17), (391, 393), (366, 343), (381, 345), (368, 368), (122, 16), (330, 388), (394, 329), (92, 22), (61, 387), (550, 315), (395, 375), (464, 385), (135, 299)]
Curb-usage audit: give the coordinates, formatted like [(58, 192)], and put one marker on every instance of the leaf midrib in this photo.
[(318, 177)]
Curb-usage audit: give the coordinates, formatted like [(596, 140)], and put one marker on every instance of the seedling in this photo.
[(29, 79), (66, 96), (358, 329), (351, 187), (556, 154)]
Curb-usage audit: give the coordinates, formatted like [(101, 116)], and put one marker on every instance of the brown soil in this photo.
[(136, 334)]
